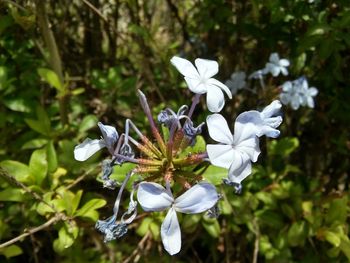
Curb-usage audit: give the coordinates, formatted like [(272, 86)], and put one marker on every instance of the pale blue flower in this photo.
[(297, 93), (199, 80), (276, 65), (154, 197), (236, 82), (237, 152)]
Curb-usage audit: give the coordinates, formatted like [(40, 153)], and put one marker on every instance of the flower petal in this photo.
[(220, 155), (284, 62), (246, 125), (206, 68), (218, 129), (274, 58), (171, 233), (197, 199), (153, 197), (215, 98), (248, 147), (240, 169), (109, 134), (272, 109), (313, 91), (221, 85), (185, 67), (196, 85), (87, 148)]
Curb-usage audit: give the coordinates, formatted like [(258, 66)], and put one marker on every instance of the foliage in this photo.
[(295, 206)]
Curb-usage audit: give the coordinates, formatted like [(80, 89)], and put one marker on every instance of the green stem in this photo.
[(54, 57)]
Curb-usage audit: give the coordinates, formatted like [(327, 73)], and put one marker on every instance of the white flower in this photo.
[(154, 197), (89, 147), (235, 152), (276, 65), (236, 82), (200, 81)]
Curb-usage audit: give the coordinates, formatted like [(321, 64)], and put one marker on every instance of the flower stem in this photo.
[(195, 101)]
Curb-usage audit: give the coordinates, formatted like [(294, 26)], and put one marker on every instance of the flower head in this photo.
[(235, 152), (276, 65), (199, 80), (154, 197)]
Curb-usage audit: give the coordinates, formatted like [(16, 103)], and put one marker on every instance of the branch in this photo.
[(257, 241), (4, 174), (31, 231), (138, 248), (54, 59), (58, 215)]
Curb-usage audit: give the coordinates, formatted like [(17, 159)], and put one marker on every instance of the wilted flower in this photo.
[(89, 147), (236, 82), (276, 65), (200, 81), (154, 197)]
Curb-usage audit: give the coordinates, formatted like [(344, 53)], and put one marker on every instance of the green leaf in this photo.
[(89, 209), (43, 208), (18, 104), (38, 126), (215, 174), (212, 226), (200, 145), (87, 123), (51, 77), (66, 236), (332, 238), (18, 170), (11, 251), (76, 200), (38, 166), (34, 144), (12, 194), (297, 233), (337, 211), (284, 146), (155, 230), (144, 226), (51, 157)]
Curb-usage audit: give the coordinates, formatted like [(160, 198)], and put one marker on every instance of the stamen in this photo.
[(154, 128)]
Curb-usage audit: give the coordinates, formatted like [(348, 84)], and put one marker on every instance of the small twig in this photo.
[(140, 246), (257, 241), (58, 215), (80, 178), (16, 5), (93, 8), (29, 232), (4, 174)]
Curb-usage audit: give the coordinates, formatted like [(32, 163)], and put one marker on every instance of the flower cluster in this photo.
[(168, 177), (295, 93), (298, 93)]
